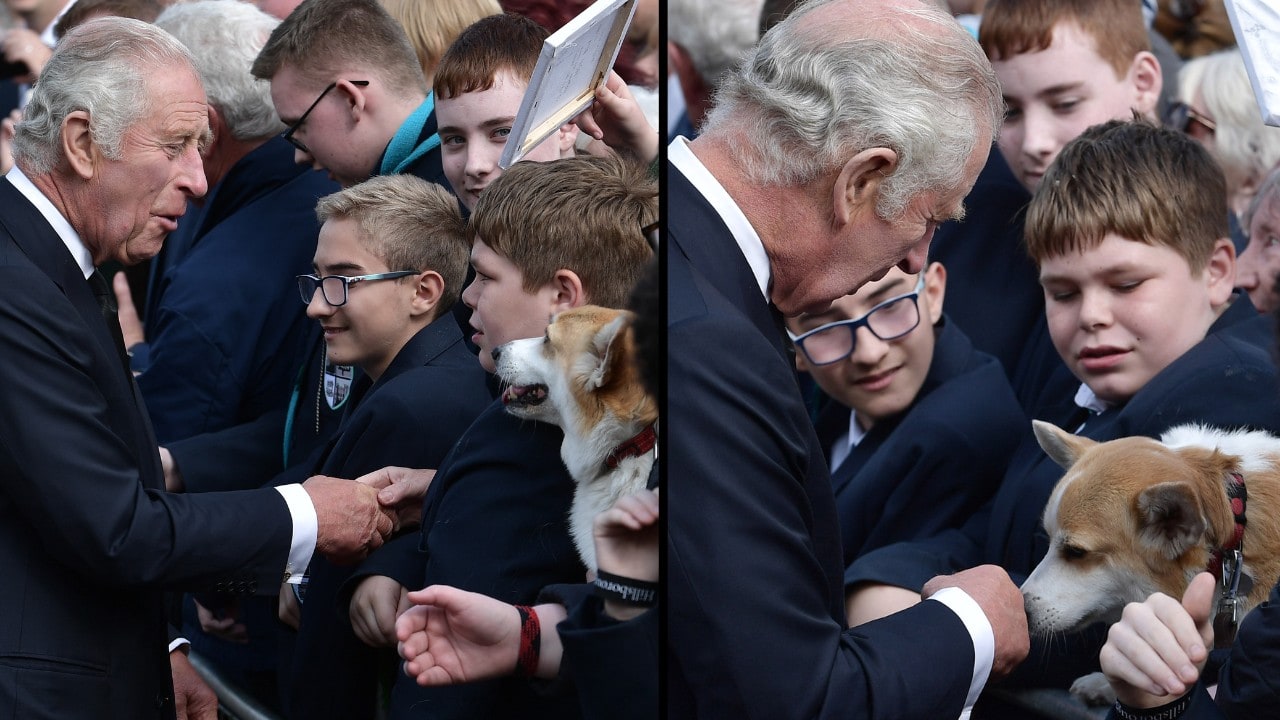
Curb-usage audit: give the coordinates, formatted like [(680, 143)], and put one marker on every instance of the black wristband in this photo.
[(626, 590), (1170, 711)]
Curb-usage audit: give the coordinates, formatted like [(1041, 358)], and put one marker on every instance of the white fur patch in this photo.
[(1254, 448)]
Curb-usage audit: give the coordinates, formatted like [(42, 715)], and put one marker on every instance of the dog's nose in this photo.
[(496, 353)]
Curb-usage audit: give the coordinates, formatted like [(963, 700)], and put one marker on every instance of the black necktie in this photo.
[(110, 312)]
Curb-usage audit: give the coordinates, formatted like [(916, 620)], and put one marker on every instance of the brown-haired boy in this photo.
[(546, 237), (479, 84), (1063, 65)]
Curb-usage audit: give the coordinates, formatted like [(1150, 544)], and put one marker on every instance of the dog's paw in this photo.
[(1093, 689)]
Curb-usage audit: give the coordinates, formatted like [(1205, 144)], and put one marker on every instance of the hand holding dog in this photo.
[(1157, 650), (1001, 602), (626, 538), (350, 522), (400, 490)]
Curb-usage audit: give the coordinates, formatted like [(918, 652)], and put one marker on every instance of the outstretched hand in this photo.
[(454, 636), (1158, 649), (617, 120), (400, 491)]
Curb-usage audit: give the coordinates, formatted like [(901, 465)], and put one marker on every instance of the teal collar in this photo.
[(404, 149)]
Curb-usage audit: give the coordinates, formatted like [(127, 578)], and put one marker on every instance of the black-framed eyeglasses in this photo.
[(288, 134), (835, 341), (334, 288), (1180, 116)]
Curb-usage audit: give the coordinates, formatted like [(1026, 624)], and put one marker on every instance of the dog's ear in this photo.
[(1169, 518), (604, 346), (1060, 445)]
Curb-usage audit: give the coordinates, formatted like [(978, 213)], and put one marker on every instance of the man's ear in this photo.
[(1221, 272), (857, 186), (567, 292), (217, 132), (1147, 80), (355, 96), (428, 287), (78, 148)]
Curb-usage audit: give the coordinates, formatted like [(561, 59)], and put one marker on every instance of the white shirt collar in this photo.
[(50, 213), (1087, 400), (843, 447), (679, 155)]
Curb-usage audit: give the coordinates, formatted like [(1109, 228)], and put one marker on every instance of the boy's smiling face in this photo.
[(1122, 311), (1054, 94), (880, 378), (474, 128), (376, 321)]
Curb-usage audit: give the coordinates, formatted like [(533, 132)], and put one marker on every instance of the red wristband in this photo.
[(530, 642)]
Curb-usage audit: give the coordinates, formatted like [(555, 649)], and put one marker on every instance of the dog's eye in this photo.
[(1071, 552)]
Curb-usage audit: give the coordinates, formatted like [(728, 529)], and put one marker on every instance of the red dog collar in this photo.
[(635, 447)]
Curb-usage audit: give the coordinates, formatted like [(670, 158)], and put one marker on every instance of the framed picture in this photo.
[(574, 61), (1256, 24)]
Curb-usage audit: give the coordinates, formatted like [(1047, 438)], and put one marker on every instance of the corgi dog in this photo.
[(581, 376), (1134, 516)]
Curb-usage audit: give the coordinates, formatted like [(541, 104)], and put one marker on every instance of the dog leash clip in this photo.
[(1227, 619)]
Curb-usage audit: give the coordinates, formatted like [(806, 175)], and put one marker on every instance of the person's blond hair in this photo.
[(410, 224), (433, 26)]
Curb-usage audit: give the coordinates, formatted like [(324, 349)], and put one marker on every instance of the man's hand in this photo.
[(627, 544), (225, 624), (1157, 650), (400, 490), (289, 610), (374, 606), (192, 696), (130, 325), (24, 46), (7, 127), (351, 524), (172, 475), (454, 636), (1001, 602)]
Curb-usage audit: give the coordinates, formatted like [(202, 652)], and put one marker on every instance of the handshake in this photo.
[(354, 518)]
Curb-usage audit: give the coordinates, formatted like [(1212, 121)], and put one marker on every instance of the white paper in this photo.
[(1256, 24)]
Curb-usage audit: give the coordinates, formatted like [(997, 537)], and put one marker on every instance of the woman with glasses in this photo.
[(920, 425)]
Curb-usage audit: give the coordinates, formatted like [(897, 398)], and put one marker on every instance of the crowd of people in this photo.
[(198, 463), (875, 493), (893, 233)]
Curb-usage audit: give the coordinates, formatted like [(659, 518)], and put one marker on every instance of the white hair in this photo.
[(1245, 146), (99, 68), (809, 104), (225, 37), (716, 34)]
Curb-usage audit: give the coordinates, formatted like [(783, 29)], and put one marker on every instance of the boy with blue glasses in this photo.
[(922, 425)]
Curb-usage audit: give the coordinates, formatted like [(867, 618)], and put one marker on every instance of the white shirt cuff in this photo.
[(305, 529), (984, 639), (177, 643)]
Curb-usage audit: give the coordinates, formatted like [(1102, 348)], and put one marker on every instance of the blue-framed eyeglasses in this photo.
[(835, 341), (334, 288), (288, 134)]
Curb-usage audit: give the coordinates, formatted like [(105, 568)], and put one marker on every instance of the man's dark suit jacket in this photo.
[(933, 465), (410, 417), (88, 538), (755, 596)]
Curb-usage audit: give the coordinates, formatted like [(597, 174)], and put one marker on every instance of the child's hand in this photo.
[(616, 119)]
